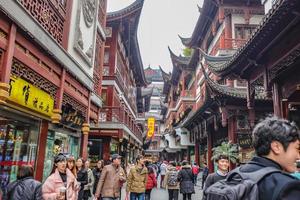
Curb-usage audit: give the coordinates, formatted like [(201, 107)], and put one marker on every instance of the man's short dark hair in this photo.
[(274, 129), (25, 171)]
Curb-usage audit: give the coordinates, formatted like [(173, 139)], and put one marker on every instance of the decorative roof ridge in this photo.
[(211, 58), (136, 6), (178, 59), (166, 76), (228, 91), (184, 40)]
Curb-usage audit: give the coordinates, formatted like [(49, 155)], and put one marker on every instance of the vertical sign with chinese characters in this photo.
[(28, 95), (151, 127)]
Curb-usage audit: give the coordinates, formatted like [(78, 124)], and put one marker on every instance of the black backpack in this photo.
[(238, 185)]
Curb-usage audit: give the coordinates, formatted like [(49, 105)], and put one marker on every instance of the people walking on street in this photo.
[(151, 181), (186, 179), (111, 179), (25, 187), (137, 179), (97, 173), (195, 169), (205, 173), (71, 165), (163, 171), (276, 143), (221, 173), (82, 178), (61, 184), (88, 188), (171, 181)]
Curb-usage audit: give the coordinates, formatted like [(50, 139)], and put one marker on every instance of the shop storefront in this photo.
[(19, 135), (60, 141)]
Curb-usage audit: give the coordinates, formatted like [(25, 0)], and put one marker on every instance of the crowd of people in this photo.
[(271, 174)]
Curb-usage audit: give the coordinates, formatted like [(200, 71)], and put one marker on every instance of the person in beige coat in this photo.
[(137, 179), (171, 182), (112, 177)]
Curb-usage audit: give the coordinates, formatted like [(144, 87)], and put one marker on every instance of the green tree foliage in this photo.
[(187, 52), (228, 149)]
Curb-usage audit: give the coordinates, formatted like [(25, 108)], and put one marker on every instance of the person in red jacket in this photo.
[(151, 181)]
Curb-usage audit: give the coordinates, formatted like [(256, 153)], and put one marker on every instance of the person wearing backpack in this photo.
[(171, 181), (186, 179), (221, 173), (265, 177), (25, 187), (205, 173)]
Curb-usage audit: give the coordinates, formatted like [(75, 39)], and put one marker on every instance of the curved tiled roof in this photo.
[(269, 28), (223, 90), (136, 6)]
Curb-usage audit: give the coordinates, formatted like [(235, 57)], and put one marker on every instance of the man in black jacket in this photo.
[(276, 142)]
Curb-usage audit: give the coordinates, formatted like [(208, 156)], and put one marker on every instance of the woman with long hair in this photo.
[(97, 173), (25, 187), (61, 184), (82, 177), (71, 165)]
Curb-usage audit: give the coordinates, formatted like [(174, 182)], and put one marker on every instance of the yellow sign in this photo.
[(28, 95), (151, 127)]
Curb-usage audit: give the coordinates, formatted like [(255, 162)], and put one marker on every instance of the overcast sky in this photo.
[(160, 23)]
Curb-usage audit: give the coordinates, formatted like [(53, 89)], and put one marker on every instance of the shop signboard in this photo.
[(29, 96), (72, 117), (151, 127)]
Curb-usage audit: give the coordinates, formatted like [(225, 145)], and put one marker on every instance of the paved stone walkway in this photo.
[(162, 194)]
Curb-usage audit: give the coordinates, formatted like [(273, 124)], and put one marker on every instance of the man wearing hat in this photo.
[(111, 179)]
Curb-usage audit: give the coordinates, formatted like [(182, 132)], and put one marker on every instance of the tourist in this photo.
[(71, 165), (97, 173), (195, 170), (82, 178), (88, 188), (205, 173), (163, 171), (171, 181), (151, 180), (186, 179)]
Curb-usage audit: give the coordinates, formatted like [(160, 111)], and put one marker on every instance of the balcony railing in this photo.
[(117, 115)]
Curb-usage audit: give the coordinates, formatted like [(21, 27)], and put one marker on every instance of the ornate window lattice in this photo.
[(75, 104), (22, 71), (50, 14)]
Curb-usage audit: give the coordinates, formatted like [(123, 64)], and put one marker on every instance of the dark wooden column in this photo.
[(56, 117), (276, 100), (210, 163), (232, 134), (7, 63), (42, 144)]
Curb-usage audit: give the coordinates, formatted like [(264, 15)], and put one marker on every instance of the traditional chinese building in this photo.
[(153, 144), (50, 84), (179, 91), (122, 90), (272, 54), (220, 111)]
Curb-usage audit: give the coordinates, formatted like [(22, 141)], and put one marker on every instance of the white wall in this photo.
[(88, 37)]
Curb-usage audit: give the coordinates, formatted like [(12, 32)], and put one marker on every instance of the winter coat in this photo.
[(186, 179), (151, 181), (276, 186), (52, 185), (82, 178), (110, 181), (165, 183), (91, 181), (137, 179), (97, 174), (23, 189)]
